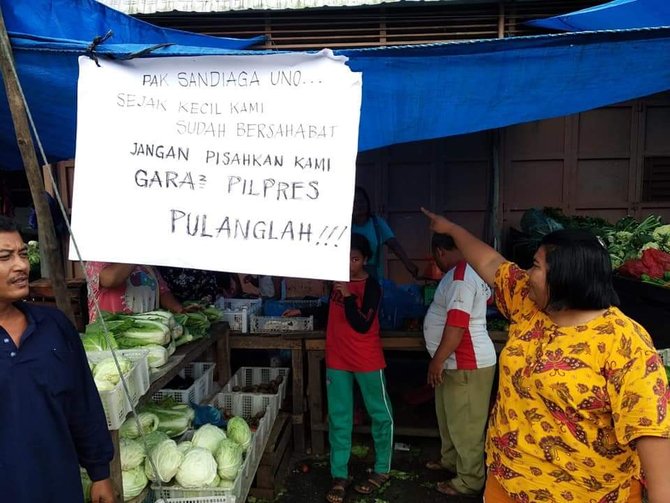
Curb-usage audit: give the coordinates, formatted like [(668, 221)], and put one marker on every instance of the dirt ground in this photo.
[(411, 481)]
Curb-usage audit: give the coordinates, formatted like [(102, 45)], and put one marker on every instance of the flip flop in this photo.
[(374, 483), (338, 490)]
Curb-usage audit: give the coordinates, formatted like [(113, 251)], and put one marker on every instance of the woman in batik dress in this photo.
[(581, 413)]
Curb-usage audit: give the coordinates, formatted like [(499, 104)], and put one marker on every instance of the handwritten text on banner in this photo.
[(230, 163)]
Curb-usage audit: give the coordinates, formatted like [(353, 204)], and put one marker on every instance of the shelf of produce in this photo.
[(184, 355), (291, 341)]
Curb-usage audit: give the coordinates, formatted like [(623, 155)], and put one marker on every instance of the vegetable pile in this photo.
[(639, 250), (270, 388), (159, 331), (212, 458)]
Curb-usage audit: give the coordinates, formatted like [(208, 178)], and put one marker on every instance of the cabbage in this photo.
[(173, 418), (171, 348), (184, 447), (209, 437), (227, 484), (157, 357), (215, 482), (229, 459), (104, 385), (197, 470), (239, 431), (134, 482), (96, 341), (148, 422), (167, 459), (106, 370), (154, 438), (144, 332), (132, 453), (85, 484)]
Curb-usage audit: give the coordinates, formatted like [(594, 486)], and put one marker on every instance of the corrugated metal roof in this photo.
[(152, 6)]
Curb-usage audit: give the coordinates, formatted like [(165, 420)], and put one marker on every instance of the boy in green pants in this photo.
[(354, 353)]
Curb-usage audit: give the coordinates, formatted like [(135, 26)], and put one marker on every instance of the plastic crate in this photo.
[(277, 307), (201, 389), (237, 312), (253, 376), (238, 304), (274, 324), (665, 356), (114, 402), (239, 405)]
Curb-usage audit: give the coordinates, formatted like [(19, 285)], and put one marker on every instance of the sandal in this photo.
[(435, 466), (338, 490), (448, 489), (374, 483)]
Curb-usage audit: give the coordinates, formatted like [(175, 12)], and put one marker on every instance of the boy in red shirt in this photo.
[(354, 353)]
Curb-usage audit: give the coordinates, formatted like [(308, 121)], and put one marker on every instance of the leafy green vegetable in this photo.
[(360, 451), (198, 469), (97, 341), (148, 423), (33, 249), (167, 457), (228, 459), (208, 437), (132, 453), (238, 430), (134, 482), (106, 369)]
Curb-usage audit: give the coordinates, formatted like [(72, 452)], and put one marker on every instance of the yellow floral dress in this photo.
[(571, 401)]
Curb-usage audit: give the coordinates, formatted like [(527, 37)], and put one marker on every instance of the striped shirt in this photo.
[(460, 301)]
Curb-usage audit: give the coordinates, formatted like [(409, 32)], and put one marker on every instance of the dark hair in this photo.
[(579, 271), (443, 241), (360, 243), (364, 193), (8, 225)]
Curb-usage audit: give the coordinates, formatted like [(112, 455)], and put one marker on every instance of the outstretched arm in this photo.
[(483, 259)]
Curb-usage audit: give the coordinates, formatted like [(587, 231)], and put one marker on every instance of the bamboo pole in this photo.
[(47, 233)]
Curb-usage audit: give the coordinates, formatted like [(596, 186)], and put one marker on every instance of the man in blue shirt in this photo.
[(51, 418)]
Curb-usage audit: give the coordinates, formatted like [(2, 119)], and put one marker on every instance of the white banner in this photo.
[(228, 163)]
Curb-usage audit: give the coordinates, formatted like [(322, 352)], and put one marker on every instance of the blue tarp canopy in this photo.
[(615, 15), (409, 93)]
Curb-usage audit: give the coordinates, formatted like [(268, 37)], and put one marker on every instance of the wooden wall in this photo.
[(595, 163)]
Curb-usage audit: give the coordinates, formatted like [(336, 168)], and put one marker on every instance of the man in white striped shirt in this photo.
[(462, 368)]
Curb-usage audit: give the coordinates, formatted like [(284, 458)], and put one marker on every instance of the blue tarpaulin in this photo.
[(409, 93), (616, 15)]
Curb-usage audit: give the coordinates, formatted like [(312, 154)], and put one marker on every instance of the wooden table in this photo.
[(188, 353), (315, 344), (293, 343)]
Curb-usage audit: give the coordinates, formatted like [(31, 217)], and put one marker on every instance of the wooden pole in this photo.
[(24, 140)]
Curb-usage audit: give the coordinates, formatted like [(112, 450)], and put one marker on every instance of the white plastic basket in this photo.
[(274, 324), (114, 402), (665, 356), (201, 389), (238, 304), (238, 312), (238, 405), (253, 376)]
